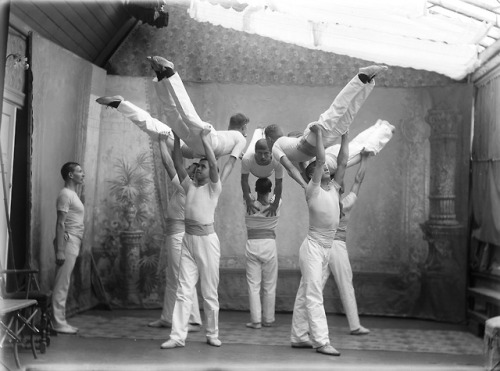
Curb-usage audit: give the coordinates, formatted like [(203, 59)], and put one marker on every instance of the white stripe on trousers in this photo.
[(261, 272), (200, 257), (309, 317)]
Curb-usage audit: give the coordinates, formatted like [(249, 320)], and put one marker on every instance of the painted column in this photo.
[(443, 279)]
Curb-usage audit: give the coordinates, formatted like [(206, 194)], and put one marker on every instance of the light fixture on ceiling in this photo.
[(152, 12)]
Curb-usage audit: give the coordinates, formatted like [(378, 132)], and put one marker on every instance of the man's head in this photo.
[(202, 171), (239, 122), (263, 186), (72, 171), (272, 133), (191, 169), (263, 155), (310, 171)]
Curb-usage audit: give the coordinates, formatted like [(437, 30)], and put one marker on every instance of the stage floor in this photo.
[(120, 340)]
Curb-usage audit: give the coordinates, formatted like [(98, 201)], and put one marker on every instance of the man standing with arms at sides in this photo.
[(261, 258), (309, 325), (335, 121), (200, 252), (339, 259), (259, 162), (174, 235), (69, 234)]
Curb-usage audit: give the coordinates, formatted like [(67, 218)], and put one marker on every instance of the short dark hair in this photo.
[(261, 144), (67, 168), (263, 186), (237, 121), (273, 131)]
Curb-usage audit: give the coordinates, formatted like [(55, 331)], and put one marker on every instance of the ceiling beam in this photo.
[(489, 52), (485, 5), (115, 42), (469, 10)]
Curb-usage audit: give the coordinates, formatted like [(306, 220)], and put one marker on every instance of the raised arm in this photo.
[(166, 159), (360, 175), (320, 155), (342, 159), (178, 161), (209, 153), (228, 167)]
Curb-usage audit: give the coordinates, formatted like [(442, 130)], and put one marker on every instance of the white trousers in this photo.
[(335, 121), (173, 246), (309, 317), (338, 261), (262, 272), (63, 278), (172, 93), (372, 139), (151, 126), (200, 257)]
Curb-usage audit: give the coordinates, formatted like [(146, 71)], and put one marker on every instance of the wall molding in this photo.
[(14, 97)]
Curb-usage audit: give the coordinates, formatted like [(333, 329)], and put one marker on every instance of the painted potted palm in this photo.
[(131, 190)]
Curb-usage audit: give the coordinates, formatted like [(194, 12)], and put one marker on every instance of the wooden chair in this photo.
[(17, 319)]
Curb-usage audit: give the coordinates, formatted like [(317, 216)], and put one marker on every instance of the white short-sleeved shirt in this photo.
[(201, 201), (69, 202), (259, 220), (324, 212), (175, 208), (287, 146), (230, 142), (249, 165)]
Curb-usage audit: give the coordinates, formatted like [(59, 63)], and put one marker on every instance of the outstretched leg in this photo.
[(191, 126), (137, 115), (144, 121), (335, 121), (371, 140)]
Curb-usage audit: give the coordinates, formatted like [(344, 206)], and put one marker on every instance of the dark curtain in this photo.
[(486, 163)]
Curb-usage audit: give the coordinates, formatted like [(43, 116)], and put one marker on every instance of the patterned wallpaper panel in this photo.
[(206, 53)]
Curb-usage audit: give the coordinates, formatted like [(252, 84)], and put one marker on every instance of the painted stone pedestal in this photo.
[(131, 247)]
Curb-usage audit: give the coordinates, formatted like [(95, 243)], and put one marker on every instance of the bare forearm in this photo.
[(278, 189), (228, 167)]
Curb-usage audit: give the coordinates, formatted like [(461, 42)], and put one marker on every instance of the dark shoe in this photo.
[(159, 324), (194, 327), (256, 325), (162, 67), (368, 73), (328, 350), (302, 345), (113, 101), (360, 331), (214, 342)]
